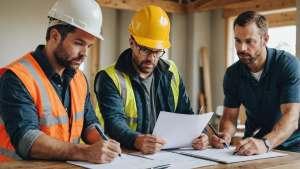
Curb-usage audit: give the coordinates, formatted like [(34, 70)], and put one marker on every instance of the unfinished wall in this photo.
[(178, 40), (108, 47), (198, 36), (23, 27), (217, 57)]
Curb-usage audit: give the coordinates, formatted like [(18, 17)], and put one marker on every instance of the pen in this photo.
[(200, 110), (161, 166), (225, 145), (253, 134), (104, 137)]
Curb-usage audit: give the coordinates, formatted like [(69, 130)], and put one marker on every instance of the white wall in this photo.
[(23, 27), (178, 40), (108, 47), (198, 36), (217, 57), (124, 19)]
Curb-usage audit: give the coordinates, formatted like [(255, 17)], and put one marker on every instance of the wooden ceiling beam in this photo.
[(259, 6), (281, 19), (203, 5), (230, 7), (133, 5)]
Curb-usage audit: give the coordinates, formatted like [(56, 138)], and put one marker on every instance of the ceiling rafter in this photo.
[(230, 7)]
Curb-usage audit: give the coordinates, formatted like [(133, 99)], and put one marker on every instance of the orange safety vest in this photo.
[(53, 118)]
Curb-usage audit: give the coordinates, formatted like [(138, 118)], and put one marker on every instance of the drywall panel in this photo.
[(23, 27), (108, 47), (198, 36), (217, 57), (124, 19), (178, 40)]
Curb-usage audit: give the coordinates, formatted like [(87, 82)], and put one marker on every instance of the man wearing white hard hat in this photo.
[(45, 105)]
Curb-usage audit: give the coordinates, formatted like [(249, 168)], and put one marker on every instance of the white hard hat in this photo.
[(83, 14)]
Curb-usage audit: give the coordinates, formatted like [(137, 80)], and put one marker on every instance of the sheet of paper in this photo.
[(128, 162), (225, 155), (179, 130), (177, 161)]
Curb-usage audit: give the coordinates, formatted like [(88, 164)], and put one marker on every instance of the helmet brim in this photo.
[(155, 44)]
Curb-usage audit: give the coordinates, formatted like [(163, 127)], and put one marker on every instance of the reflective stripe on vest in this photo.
[(9, 154), (52, 116), (123, 84), (1, 121), (75, 140)]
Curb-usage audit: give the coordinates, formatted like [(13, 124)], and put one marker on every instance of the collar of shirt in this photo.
[(124, 64), (269, 66), (45, 65)]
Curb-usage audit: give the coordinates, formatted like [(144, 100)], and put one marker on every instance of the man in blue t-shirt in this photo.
[(266, 82)]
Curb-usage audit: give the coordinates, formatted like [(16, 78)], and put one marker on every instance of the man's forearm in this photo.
[(47, 147), (93, 137), (282, 130), (228, 126)]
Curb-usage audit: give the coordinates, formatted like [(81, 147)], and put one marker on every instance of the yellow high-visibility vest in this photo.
[(123, 83)]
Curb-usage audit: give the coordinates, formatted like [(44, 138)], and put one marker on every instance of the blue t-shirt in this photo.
[(278, 84)]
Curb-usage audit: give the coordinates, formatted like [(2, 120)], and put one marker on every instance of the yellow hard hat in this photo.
[(150, 27)]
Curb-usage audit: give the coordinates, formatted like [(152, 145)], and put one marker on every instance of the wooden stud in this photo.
[(94, 68), (206, 80), (202, 102)]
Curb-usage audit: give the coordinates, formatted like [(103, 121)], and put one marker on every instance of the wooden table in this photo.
[(292, 161)]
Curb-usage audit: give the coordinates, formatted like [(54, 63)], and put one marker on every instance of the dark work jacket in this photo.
[(112, 107)]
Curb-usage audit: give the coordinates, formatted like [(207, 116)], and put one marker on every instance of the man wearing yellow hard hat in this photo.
[(133, 91)]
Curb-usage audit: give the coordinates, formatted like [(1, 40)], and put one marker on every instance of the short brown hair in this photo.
[(249, 17), (62, 29)]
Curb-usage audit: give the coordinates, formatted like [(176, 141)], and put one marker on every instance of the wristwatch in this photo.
[(268, 144)]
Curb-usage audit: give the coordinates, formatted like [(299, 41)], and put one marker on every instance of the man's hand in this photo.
[(148, 144), (103, 151), (201, 142), (218, 142), (250, 146)]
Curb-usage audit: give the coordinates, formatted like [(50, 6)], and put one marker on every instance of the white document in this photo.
[(128, 162), (225, 155), (179, 130), (177, 161)]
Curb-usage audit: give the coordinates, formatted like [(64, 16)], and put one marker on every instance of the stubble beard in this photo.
[(140, 66), (253, 59), (61, 55)]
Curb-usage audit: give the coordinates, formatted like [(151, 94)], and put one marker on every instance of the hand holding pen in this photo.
[(243, 143), (105, 138), (224, 144)]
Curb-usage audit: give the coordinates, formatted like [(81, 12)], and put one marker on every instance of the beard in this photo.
[(252, 59), (63, 58), (140, 66)]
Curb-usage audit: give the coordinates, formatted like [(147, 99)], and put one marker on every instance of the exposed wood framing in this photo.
[(134, 5), (281, 19), (94, 68), (231, 7), (259, 6), (203, 5)]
